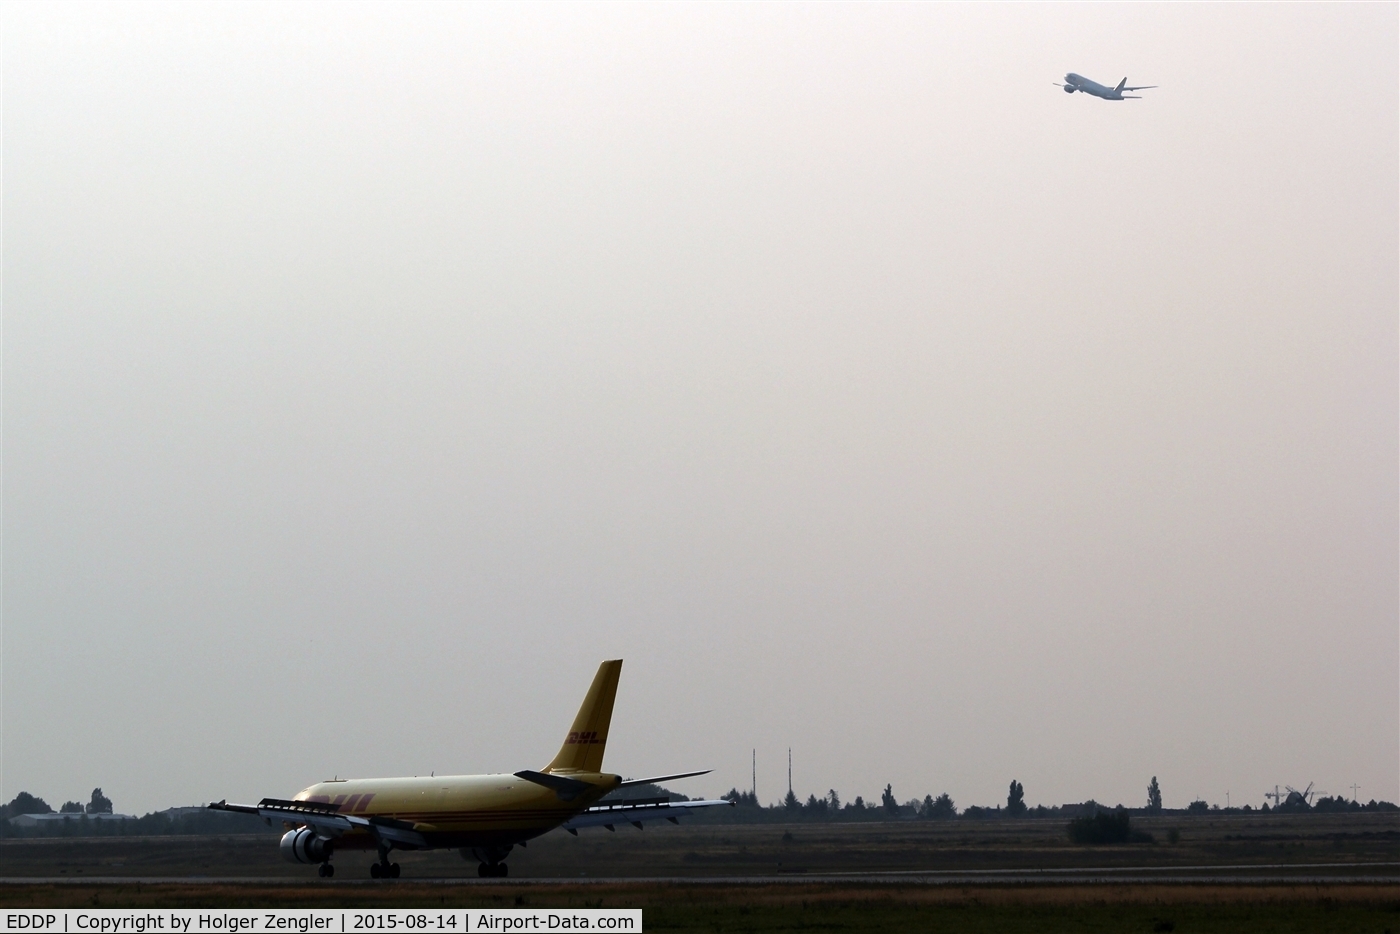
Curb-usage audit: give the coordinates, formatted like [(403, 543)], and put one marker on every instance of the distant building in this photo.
[(45, 820), (177, 813)]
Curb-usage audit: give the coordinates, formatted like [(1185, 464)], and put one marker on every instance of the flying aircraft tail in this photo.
[(583, 747), (1121, 85)]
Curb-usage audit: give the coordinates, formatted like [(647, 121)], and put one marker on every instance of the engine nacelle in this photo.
[(488, 854), (1069, 89), (304, 846)]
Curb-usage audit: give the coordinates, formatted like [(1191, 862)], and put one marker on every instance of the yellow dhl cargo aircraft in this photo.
[(484, 816)]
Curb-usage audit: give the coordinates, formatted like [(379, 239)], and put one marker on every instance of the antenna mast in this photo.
[(755, 777), (789, 770)]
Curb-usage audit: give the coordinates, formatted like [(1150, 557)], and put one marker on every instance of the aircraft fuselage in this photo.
[(457, 810), (1080, 83)]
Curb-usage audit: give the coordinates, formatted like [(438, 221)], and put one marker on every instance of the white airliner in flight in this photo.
[(1075, 82)]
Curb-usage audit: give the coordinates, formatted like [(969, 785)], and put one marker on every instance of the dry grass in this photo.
[(704, 849), (648, 894), (798, 901), (1201, 909)]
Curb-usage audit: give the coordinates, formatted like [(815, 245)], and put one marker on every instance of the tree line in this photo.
[(81, 820), (942, 807), (25, 803), (1091, 822)]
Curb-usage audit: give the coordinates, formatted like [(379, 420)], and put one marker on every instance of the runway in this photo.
[(1344, 873)]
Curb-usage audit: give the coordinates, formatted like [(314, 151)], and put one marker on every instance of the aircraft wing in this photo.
[(1141, 88), (636, 813), (327, 822)]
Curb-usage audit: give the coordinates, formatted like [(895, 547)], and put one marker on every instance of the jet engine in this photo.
[(304, 846), (490, 857), (1069, 89), (488, 854)]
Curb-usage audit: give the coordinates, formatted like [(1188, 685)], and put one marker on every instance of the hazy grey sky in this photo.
[(372, 372)]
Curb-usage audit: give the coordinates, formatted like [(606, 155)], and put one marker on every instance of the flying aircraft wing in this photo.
[(1141, 88), (636, 812), (327, 822)]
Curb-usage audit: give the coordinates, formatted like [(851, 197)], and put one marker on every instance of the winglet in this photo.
[(583, 747)]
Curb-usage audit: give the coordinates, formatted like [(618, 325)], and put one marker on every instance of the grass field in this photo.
[(796, 853), (841, 907), (702, 850)]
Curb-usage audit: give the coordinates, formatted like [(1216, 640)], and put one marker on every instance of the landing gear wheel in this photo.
[(492, 870), (393, 870), (502, 870), (325, 870), (374, 870), (483, 870)]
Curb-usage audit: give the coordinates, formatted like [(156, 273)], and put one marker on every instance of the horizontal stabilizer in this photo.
[(610, 815), (566, 788), (662, 778)]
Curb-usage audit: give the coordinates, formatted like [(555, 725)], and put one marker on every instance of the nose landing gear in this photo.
[(325, 870)]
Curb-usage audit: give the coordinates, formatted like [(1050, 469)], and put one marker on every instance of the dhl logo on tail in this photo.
[(589, 738)]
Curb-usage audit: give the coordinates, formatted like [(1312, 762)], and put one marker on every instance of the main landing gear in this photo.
[(384, 869), (492, 860), (325, 870)]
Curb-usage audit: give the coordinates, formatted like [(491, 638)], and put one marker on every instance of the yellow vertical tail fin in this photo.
[(583, 747)]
